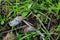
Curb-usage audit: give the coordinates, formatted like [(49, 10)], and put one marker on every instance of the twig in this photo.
[(15, 29), (48, 25), (41, 23)]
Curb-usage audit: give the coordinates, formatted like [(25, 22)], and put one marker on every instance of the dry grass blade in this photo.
[(14, 29)]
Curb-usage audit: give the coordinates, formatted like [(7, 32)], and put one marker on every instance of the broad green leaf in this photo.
[(0, 1), (24, 14), (38, 15), (2, 22)]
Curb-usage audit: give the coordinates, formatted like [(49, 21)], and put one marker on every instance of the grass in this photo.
[(40, 8)]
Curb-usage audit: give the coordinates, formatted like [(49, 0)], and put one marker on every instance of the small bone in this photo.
[(30, 29), (16, 21)]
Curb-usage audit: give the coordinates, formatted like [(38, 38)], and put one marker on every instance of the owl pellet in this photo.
[(31, 29), (16, 21)]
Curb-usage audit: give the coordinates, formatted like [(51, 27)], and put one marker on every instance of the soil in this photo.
[(31, 19)]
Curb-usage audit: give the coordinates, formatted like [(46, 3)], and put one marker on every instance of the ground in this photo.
[(42, 15)]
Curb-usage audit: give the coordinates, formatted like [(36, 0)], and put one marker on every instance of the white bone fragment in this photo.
[(16, 21)]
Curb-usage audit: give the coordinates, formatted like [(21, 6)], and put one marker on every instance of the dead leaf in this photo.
[(7, 37)]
